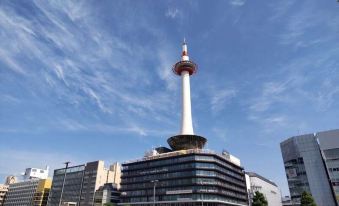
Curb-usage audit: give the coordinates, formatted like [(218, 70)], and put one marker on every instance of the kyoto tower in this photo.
[(186, 139)]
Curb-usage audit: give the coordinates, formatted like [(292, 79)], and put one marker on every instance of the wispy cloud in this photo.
[(271, 93), (221, 133), (26, 159), (221, 97), (68, 29), (237, 2), (172, 13), (130, 127), (302, 24), (281, 9)]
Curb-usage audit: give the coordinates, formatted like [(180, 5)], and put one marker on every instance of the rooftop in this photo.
[(180, 152), (253, 174)]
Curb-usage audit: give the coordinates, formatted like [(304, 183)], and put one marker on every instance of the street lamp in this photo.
[(202, 194), (154, 184), (63, 182)]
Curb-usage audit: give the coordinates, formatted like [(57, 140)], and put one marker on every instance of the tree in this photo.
[(307, 199), (109, 204), (259, 199)]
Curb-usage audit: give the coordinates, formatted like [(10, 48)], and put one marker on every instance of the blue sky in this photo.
[(90, 80)]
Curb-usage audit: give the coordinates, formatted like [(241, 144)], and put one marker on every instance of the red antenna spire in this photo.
[(184, 55)]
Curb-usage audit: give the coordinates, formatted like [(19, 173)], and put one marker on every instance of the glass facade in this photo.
[(183, 179), (72, 186), (332, 164), (329, 145), (305, 169), (81, 182)]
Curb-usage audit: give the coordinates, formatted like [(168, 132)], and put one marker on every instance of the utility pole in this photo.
[(202, 194), (63, 182), (154, 184)]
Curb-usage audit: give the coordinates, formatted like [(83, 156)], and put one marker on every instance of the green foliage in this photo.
[(109, 204), (259, 199), (307, 199)]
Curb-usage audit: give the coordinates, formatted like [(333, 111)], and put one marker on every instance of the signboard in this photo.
[(184, 199), (153, 171), (175, 192)]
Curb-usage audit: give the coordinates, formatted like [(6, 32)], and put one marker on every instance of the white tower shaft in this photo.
[(186, 124)]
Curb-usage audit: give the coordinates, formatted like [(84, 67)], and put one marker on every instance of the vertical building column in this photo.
[(186, 126)]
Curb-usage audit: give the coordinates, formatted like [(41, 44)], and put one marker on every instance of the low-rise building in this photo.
[(261, 184), (108, 193), (286, 201)]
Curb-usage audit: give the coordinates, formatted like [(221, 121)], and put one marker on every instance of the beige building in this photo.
[(3, 191), (96, 175), (10, 180), (115, 172)]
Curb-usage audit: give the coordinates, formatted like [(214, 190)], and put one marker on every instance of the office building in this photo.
[(3, 192), (187, 177), (79, 183), (329, 146), (268, 188), (305, 170), (29, 192), (108, 193), (186, 174), (71, 180)]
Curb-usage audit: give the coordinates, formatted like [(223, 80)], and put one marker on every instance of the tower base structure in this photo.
[(186, 141), (189, 177)]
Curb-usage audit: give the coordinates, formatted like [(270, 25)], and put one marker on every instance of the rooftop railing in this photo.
[(177, 153)]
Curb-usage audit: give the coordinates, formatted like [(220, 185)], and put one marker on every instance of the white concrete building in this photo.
[(33, 173), (255, 182), (231, 158)]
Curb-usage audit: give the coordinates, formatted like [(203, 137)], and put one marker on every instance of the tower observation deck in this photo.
[(186, 138)]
